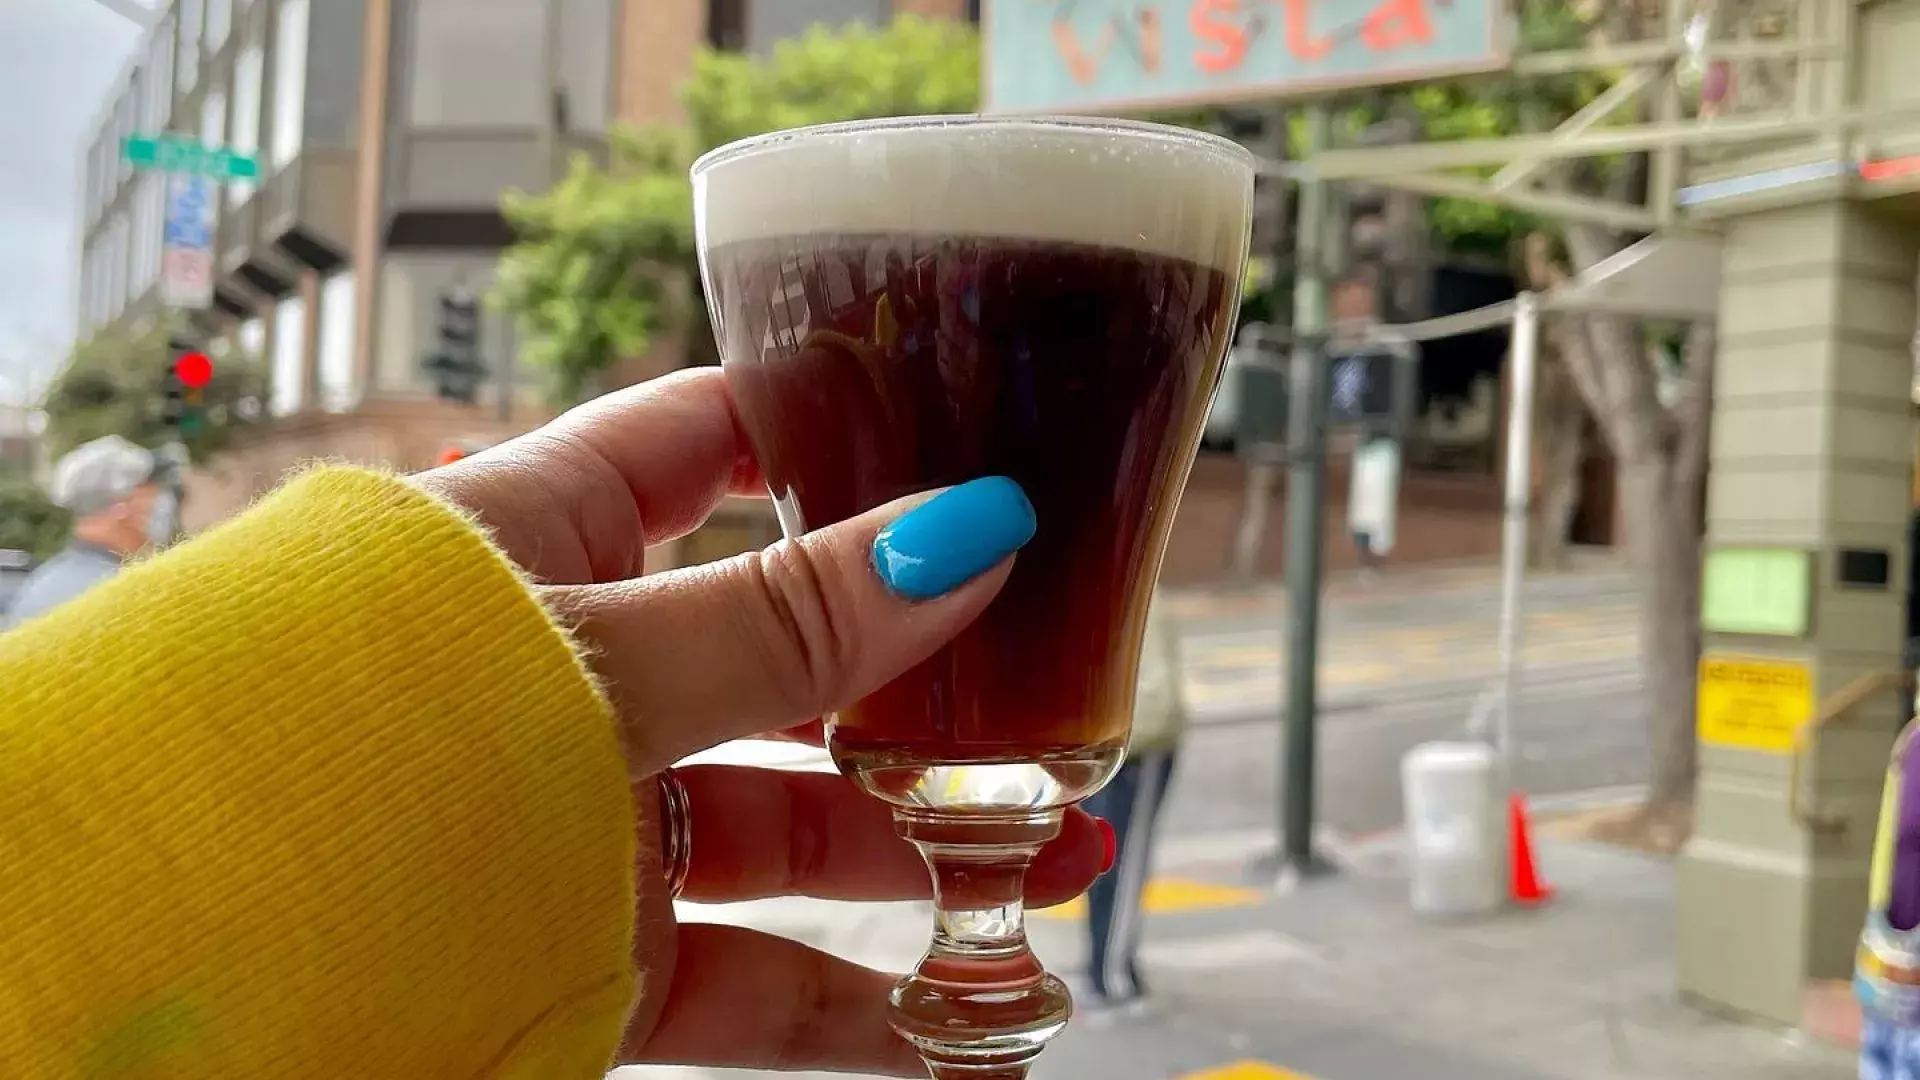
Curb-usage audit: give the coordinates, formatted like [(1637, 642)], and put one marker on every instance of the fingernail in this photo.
[(1109, 844), (953, 538)]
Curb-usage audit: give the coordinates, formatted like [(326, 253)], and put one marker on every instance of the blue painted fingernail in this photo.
[(953, 538)]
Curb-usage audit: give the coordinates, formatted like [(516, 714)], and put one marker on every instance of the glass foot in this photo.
[(979, 1006)]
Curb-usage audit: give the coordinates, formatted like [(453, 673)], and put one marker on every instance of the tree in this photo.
[(114, 382), (29, 521), (1651, 400), (605, 261), (1489, 109)]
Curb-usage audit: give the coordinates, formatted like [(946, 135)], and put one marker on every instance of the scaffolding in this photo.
[(1723, 82)]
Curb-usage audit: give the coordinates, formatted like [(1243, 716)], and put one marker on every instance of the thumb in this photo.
[(764, 641)]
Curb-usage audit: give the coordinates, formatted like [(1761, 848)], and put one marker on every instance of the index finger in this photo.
[(638, 467)]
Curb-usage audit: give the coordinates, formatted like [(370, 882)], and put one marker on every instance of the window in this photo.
[(289, 83), (189, 65), (85, 314), (213, 117), (117, 266), (157, 80), (156, 229), (768, 24), (95, 181), (219, 23), (586, 62), (103, 171), (102, 279), (727, 24), (336, 343), (98, 282), (253, 338), (478, 63), (143, 255), (245, 137), (132, 243), (285, 366), (124, 123)]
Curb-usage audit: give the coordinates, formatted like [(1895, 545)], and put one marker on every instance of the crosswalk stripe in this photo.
[(1168, 896), (1246, 1070)]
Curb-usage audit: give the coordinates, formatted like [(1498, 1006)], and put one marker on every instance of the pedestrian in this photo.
[(120, 503), (1130, 806), (372, 780), (1887, 966)]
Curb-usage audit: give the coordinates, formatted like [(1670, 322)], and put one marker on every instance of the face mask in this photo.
[(164, 518)]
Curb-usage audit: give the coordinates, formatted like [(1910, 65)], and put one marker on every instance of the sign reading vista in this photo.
[(1116, 55)]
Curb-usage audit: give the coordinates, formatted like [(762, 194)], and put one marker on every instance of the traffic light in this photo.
[(1263, 130), (455, 366), (1375, 388), (183, 394)]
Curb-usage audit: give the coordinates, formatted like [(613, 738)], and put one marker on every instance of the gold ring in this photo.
[(676, 832)]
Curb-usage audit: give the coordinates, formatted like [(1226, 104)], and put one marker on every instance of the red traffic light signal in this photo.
[(194, 370)]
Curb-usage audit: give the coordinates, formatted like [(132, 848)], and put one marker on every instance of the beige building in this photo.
[(386, 132)]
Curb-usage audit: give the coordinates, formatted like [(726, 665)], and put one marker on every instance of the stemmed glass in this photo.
[(906, 304)]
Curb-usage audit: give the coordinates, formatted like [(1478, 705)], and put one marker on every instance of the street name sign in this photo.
[(186, 259), (1753, 703), (185, 154), (1124, 55)]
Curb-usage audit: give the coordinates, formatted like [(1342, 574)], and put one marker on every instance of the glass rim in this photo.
[(1218, 146)]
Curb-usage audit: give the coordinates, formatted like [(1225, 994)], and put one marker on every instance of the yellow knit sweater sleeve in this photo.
[(322, 794)]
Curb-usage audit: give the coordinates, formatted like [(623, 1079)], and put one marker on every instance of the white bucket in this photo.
[(1455, 817)]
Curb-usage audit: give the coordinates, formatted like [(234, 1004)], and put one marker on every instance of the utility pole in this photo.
[(1306, 483), (1270, 236)]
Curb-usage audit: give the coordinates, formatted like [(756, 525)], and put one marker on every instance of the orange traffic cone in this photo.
[(1526, 888)]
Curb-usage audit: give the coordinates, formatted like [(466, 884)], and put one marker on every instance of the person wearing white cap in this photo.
[(112, 488)]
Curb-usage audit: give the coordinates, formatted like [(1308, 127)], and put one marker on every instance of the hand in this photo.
[(693, 658)]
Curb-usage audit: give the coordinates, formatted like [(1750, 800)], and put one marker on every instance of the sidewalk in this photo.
[(1340, 981)]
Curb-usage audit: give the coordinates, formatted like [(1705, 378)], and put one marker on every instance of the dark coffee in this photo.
[(868, 367)]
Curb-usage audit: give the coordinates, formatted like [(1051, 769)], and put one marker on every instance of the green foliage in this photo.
[(605, 261), (1497, 106), (113, 385), (913, 66), (590, 279), (29, 521)]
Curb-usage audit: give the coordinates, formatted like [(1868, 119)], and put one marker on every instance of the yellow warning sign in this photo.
[(1749, 703)]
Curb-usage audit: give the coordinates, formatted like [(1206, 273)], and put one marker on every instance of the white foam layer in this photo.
[(1149, 189)]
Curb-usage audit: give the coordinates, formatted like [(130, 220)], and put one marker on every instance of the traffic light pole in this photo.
[(1306, 511)]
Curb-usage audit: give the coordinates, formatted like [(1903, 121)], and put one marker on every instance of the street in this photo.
[(1338, 980), (1406, 660)]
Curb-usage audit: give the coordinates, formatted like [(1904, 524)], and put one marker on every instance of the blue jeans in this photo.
[(1130, 803), (1888, 1052)]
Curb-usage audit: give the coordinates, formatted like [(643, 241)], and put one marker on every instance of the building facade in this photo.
[(387, 132)]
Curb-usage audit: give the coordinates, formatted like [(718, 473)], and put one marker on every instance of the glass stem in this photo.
[(979, 1006)]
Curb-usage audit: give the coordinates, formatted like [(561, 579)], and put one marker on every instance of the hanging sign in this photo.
[(1126, 55)]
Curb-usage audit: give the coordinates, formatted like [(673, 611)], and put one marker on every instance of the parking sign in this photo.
[(186, 261)]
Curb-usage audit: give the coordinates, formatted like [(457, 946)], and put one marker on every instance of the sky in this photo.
[(58, 58)]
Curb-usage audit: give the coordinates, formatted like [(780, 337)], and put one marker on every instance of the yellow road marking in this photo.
[(1168, 896), (1247, 1070)]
